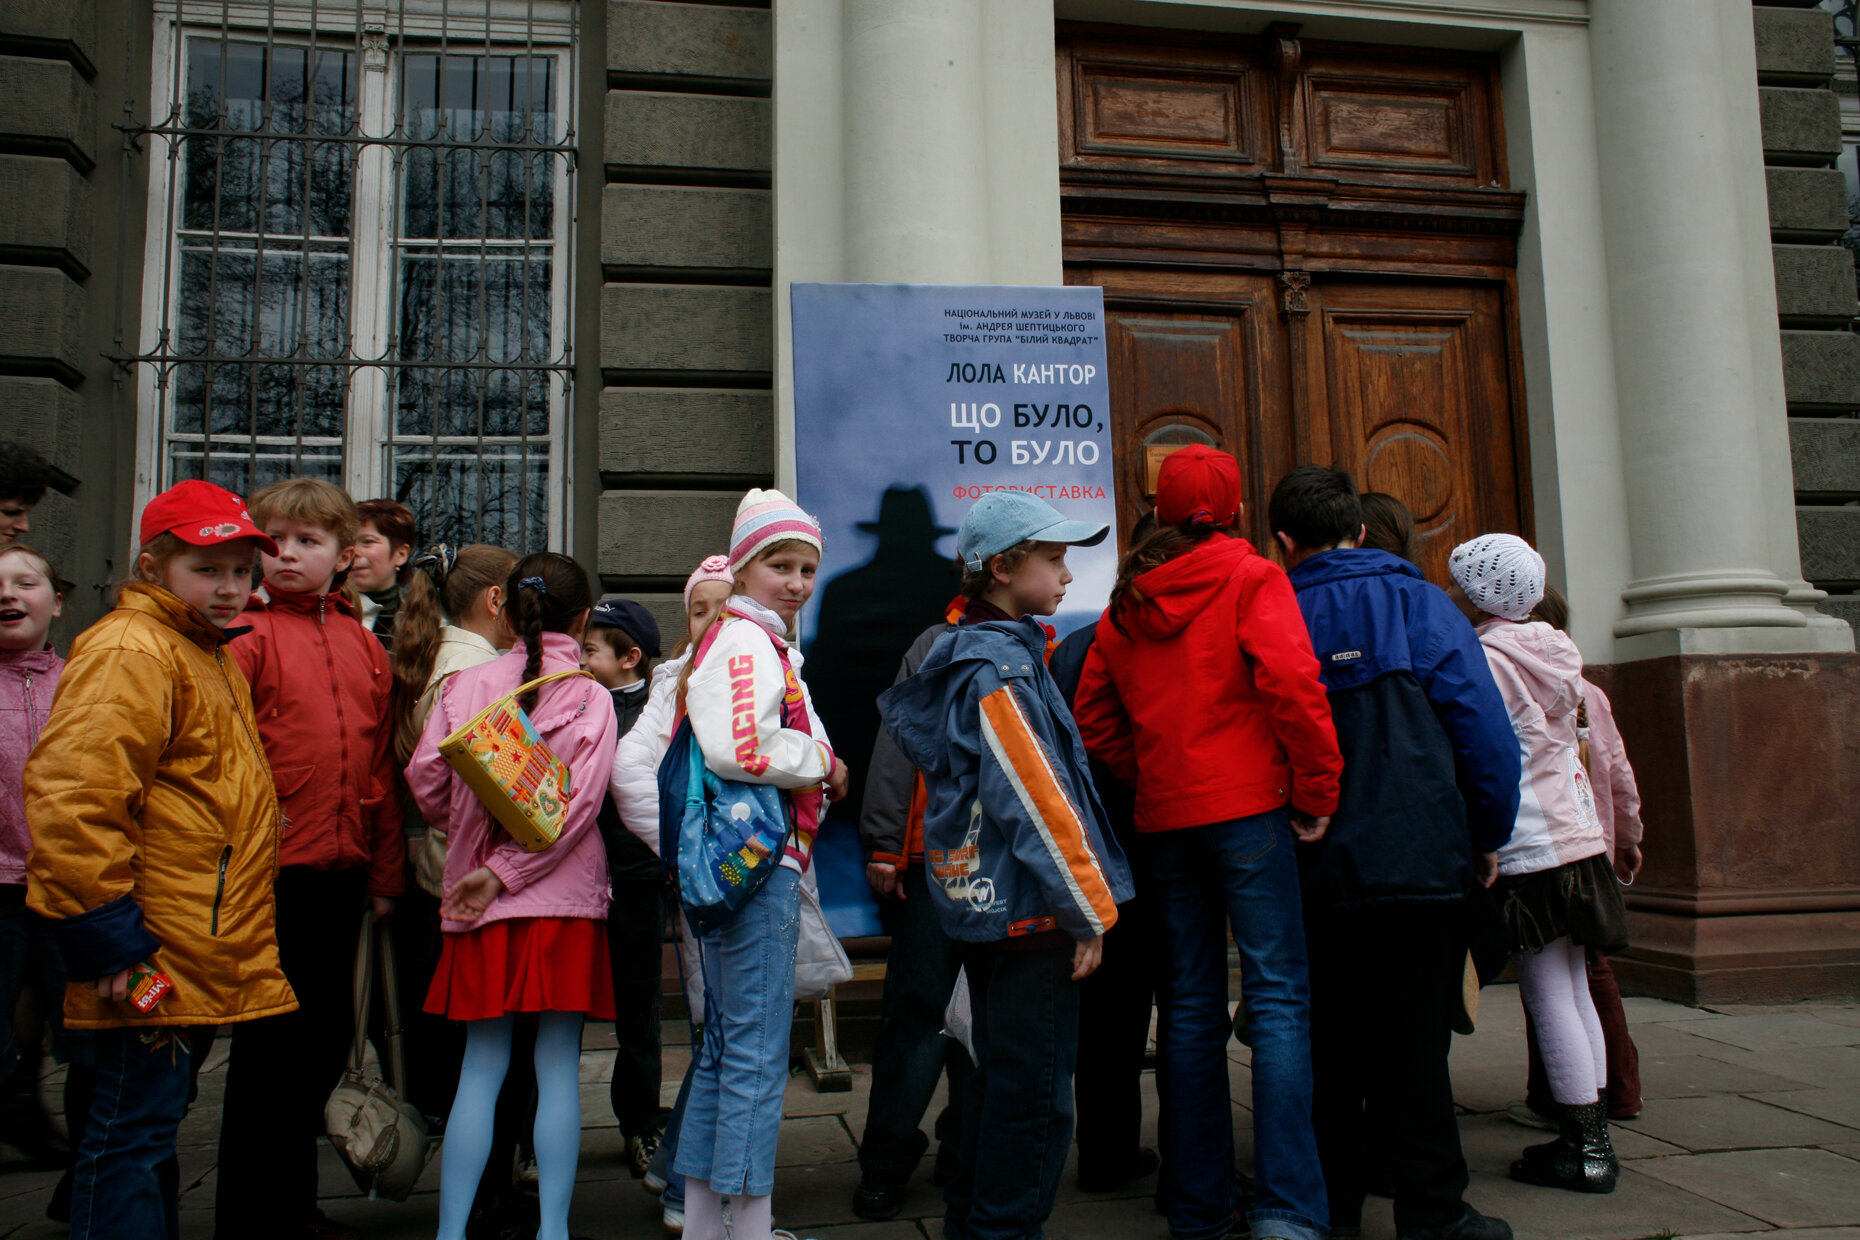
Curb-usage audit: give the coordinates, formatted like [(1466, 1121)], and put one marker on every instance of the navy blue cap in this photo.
[(630, 618)]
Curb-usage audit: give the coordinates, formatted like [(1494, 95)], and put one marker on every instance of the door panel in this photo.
[(1410, 390), (1185, 368)]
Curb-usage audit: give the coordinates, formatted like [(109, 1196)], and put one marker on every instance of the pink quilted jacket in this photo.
[(27, 678), (1539, 674)]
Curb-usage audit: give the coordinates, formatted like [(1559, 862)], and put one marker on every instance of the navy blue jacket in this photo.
[(1430, 763)]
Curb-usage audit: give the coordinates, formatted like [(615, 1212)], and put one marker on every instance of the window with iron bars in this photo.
[(359, 260)]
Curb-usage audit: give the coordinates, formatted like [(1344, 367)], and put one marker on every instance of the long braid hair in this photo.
[(546, 592), (444, 585)]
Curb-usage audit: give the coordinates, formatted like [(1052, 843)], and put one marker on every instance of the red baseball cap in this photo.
[(202, 514), (1198, 485)]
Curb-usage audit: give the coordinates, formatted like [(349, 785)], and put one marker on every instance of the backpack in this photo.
[(719, 839)]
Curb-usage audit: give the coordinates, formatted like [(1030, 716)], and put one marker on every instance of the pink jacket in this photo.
[(576, 717), (27, 678), (1617, 796), (1539, 674)]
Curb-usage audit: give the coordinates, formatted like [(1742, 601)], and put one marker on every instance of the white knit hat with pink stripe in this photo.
[(765, 518)]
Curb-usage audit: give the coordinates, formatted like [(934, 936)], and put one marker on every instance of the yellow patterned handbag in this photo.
[(501, 757)]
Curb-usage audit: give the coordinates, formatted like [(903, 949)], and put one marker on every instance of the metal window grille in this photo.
[(359, 260)]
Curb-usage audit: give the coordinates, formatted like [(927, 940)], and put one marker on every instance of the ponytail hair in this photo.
[(1153, 550), (443, 585), (544, 593)]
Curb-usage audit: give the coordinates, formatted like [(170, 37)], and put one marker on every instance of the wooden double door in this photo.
[(1262, 308)]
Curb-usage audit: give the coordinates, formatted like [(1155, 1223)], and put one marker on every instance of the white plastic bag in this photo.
[(957, 1022), (820, 963)]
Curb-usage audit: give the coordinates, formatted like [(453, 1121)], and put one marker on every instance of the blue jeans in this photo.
[(912, 1054), (1017, 1114), (674, 1194), (126, 1183), (733, 1117), (1242, 873)]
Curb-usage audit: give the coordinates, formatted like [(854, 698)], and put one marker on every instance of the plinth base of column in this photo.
[(1751, 958), (1749, 775)]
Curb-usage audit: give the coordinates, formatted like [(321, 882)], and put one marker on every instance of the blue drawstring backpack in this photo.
[(720, 838)]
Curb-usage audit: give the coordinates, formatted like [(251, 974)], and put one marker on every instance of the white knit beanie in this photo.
[(1501, 573)]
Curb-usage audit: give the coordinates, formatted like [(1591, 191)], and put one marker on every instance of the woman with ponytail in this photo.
[(1202, 693), (523, 930)]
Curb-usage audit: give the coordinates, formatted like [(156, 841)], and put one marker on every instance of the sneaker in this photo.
[(655, 1183), (1523, 1115), (877, 1199), (639, 1153), (1470, 1225), (673, 1218)]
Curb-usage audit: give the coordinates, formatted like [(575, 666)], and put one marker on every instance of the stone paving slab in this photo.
[(1784, 1187), (1828, 1067), (1699, 1076), (1773, 1031), (1735, 1123), (1677, 1179)]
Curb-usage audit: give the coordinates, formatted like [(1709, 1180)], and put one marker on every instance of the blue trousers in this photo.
[(127, 1182), (1242, 874), (733, 1116), (1017, 1115)]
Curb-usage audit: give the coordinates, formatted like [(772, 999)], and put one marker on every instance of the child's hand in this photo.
[(1627, 863), (115, 987), (1309, 830), (1485, 868), (884, 878), (837, 782), (471, 895), (1087, 955), (381, 906)]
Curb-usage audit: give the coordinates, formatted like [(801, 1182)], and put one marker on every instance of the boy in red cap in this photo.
[(1202, 693), (154, 832)]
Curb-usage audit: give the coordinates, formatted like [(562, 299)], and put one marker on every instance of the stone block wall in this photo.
[(1815, 290), (49, 150), (687, 251)]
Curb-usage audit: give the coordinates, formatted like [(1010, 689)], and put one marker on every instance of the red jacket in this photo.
[(1211, 707), (320, 686)]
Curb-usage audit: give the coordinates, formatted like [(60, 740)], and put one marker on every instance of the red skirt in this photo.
[(524, 964)]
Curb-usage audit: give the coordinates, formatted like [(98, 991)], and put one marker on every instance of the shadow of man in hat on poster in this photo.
[(868, 618)]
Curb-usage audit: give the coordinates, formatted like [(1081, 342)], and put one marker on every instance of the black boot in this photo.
[(1470, 1225), (1581, 1159)]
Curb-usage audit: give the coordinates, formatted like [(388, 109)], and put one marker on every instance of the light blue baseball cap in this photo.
[(1001, 519)]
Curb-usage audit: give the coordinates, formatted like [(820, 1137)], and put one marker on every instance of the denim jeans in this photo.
[(1242, 873), (127, 1180), (733, 1117), (674, 1194), (1017, 1115), (912, 1054)]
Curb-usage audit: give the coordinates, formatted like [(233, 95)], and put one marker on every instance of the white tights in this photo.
[(751, 1218), (1554, 984)]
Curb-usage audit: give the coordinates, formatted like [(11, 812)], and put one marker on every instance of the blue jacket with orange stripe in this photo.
[(1014, 837)]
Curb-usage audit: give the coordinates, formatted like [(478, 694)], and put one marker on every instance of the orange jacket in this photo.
[(148, 785), (320, 684)]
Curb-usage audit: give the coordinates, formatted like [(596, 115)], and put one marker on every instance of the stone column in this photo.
[(1675, 110), (951, 142)]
